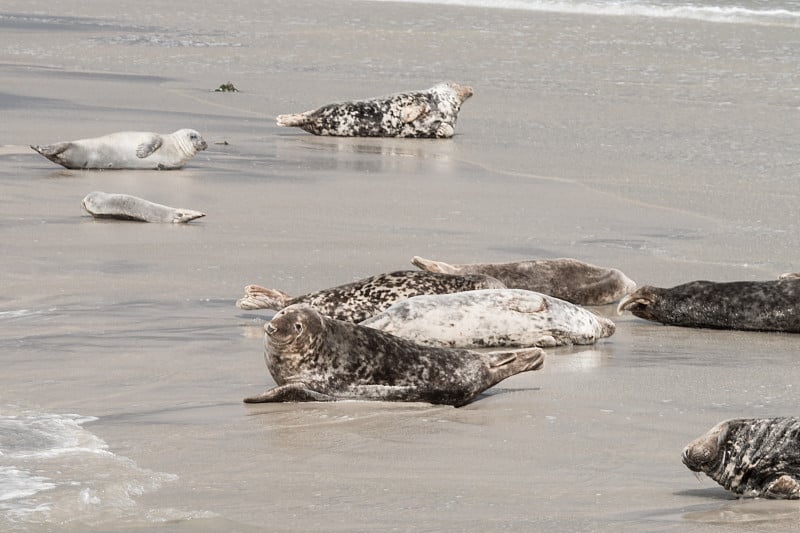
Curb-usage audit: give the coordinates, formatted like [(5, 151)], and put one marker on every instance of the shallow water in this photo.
[(665, 148)]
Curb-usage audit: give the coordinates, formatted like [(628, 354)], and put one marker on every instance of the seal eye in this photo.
[(298, 327)]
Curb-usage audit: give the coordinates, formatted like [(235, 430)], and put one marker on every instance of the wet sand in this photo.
[(666, 149)]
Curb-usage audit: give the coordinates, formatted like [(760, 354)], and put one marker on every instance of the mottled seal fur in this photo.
[(744, 305), (493, 317), (127, 150), (568, 279), (362, 299), (429, 113), (754, 457), (127, 207), (315, 358)]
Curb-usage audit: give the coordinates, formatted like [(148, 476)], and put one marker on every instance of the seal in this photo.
[(568, 279), (362, 299), (431, 113), (127, 207), (315, 358), (491, 318), (127, 150), (753, 457), (743, 305)]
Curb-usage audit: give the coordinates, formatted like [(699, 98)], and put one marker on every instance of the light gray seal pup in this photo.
[(362, 299), (489, 318), (127, 150), (429, 113), (315, 358), (742, 305), (753, 457), (568, 279), (127, 207)]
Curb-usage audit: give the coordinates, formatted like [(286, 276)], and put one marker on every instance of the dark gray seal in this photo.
[(754, 457), (568, 279), (429, 113), (315, 358), (127, 150), (362, 299), (744, 305), (127, 207)]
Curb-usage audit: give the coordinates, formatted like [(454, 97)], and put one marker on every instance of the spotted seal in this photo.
[(744, 305), (127, 207), (568, 279), (362, 299), (315, 358), (754, 457), (127, 150), (492, 317), (429, 113)]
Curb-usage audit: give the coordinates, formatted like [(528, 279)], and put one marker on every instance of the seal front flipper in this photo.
[(412, 112), (147, 149), (257, 297), (784, 488), (291, 392)]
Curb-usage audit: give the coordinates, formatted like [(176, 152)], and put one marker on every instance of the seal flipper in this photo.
[(291, 392), (790, 275), (257, 297), (51, 150), (412, 112), (784, 488), (433, 266), (182, 216), (293, 120), (147, 149)]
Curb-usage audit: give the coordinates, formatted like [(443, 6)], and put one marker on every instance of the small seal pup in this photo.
[(429, 113), (492, 317), (754, 457), (362, 299), (127, 207), (315, 358), (127, 150), (743, 305), (568, 279)]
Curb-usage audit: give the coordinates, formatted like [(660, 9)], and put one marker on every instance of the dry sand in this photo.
[(667, 149)]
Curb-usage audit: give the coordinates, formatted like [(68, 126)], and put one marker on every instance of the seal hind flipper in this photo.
[(257, 297), (182, 216), (293, 120), (291, 392), (517, 360), (51, 150), (147, 149), (432, 266), (784, 488)]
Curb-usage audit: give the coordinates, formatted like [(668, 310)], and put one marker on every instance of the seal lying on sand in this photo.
[(362, 299), (495, 317), (757, 457), (127, 150), (127, 207), (429, 113), (745, 305), (315, 358), (568, 279)]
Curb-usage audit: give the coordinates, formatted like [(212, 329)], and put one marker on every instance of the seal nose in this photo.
[(269, 328)]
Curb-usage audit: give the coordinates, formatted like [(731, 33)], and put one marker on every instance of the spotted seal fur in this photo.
[(429, 113), (568, 279), (362, 299), (489, 318), (752, 457), (742, 305), (127, 207), (315, 358)]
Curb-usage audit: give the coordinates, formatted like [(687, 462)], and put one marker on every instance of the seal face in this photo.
[(362, 299), (429, 113), (568, 279), (742, 305), (127, 150), (754, 457), (492, 317), (127, 207), (315, 358)]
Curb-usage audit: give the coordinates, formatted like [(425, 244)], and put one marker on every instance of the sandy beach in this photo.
[(665, 148)]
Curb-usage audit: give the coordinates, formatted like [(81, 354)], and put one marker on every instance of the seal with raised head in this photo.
[(753, 457), (315, 358), (429, 113), (127, 150), (362, 299), (568, 279), (742, 305), (127, 207), (489, 318)]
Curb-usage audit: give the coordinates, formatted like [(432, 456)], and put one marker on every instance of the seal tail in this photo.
[(51, 151), (182, 216), (433, 266), (294, 120), (256, 297)]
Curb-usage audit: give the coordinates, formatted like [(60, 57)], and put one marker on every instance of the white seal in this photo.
[(491, 318), (127, 150), (127, 207)]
